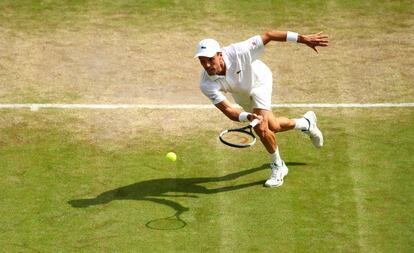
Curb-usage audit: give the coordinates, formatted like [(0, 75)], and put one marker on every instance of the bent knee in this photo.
[(275, 126), (262, 129)]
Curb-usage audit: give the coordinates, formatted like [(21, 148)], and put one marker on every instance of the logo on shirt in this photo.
[(238, 72), (203, 47)]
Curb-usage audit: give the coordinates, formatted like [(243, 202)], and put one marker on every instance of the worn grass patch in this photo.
[(142, 51)]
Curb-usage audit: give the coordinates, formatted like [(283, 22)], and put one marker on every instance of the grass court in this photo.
[(98, 180)]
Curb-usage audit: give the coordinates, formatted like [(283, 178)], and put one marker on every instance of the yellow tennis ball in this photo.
[(171, 156)]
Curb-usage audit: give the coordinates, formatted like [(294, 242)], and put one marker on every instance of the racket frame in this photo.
[(246, 130)]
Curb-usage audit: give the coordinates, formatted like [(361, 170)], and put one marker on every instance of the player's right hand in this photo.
[(254, 116)]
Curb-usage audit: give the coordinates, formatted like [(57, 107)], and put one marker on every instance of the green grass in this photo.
[(64, 194), (45, 16), (69, 186)]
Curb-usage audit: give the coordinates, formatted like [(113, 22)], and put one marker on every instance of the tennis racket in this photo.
[(239, 137)]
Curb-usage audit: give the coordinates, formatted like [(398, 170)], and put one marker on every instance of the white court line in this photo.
[(35, 107)]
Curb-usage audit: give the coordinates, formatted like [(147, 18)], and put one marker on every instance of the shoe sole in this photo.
[(317, 145), (274, 186), (311, 114)]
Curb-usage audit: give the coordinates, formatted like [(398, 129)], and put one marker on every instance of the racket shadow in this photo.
[(161, 190)]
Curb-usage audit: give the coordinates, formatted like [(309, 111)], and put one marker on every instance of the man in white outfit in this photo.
[(237, 70)]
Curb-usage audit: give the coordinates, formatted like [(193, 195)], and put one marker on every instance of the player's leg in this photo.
[(268, 138), (280, 124), (306, 124), (261, 96)]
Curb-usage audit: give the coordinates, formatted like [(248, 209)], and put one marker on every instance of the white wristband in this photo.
[(243, 116), (292, 36)]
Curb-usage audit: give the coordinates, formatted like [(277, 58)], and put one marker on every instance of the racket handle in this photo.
[(254, 123)]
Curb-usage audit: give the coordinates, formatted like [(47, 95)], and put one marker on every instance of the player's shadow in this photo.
[(157, 190)]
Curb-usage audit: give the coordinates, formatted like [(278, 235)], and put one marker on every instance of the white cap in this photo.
[(207, 48)]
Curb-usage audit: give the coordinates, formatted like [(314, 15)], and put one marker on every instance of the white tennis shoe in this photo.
[(277, 175), (313, 131)]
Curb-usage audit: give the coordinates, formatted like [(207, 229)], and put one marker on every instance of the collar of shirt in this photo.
[(227, 63)]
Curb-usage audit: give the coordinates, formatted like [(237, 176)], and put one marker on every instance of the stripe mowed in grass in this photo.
[(149, 15), (65, 193), (68, 186)]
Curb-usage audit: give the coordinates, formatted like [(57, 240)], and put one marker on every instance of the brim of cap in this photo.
[(205, 54)]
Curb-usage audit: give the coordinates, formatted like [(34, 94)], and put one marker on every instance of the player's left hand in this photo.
[(314, 40)]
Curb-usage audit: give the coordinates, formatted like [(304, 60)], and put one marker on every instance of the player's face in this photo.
[(213, 65)]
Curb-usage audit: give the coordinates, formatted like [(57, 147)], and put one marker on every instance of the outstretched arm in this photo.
[(311, 40), (234, 113)]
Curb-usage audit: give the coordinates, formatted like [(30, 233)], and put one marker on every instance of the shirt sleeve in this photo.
[(211, 90), (253, 46)]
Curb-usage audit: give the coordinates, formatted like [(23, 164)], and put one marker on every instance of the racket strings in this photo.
[(238, 138)]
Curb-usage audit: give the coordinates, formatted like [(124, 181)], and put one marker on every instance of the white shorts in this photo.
[(260, 96)]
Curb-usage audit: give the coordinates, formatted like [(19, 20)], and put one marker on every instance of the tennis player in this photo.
[(237, 69)]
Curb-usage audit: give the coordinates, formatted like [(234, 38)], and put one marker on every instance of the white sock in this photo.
[(275, 157), (301, 124)]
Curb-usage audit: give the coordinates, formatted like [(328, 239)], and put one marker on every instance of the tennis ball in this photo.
[(171, 156)]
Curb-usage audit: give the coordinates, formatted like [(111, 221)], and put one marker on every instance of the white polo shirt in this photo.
[(244, 72)]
